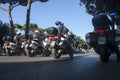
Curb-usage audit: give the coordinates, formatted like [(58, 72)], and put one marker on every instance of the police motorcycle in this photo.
[(104, 42), (24, 47), (58, 45), (11, 48), (46, 41), (25, 44), (36, 47), (66, 45), (71, 40), (52, 41)]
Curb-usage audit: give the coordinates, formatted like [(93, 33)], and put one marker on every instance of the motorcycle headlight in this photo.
[(101, 40)]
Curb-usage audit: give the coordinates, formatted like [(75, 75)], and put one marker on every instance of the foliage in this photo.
[(32, 26), (29, 3), (41, 30), (80, 43), (105, 6), (18, 26), (11, 5), (4, 30), (14, 3)]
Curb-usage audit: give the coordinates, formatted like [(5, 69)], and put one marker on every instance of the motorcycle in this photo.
[(35, 47), (52, 41), (64, 47), (54, 47), (58, 45), (12, 48), (104, 42), (24, 46), (97, 40), (46, 47)]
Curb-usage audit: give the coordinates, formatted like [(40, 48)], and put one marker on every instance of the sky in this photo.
[(46, 14)]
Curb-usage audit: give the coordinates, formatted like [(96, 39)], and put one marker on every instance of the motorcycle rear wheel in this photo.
[(71, 52), (47, 53), (55, 54), (29, 53), (8, 52), (104, 55)]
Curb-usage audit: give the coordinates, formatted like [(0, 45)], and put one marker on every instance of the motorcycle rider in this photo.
[(6, 40), (64, 32), (18, 41), (67, 43), (36, 36), (101, 21), (17, 37), (62, 29)]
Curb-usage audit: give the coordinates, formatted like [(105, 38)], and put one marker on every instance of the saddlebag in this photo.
[(91, 38), (52, 31), (110, 37)]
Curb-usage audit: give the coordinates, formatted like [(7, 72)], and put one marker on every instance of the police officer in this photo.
[(101, 21), (62, 29)]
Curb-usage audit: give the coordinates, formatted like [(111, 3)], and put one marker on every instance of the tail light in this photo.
[(53, 38), (101, 31), (26, 41), (7, 42)]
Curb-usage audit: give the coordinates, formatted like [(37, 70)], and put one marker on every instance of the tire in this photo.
[(55, 54), (47, 53), (118, 51), (118, 56), (8, 52), (71, 52), (30, 53), (24, 52), (104, 55)]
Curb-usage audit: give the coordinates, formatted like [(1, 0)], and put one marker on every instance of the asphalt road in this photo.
[(81, 67)]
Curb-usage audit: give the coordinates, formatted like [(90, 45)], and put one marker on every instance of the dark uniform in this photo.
[(101, 21)]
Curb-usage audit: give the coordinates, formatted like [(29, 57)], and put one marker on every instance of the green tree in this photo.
[(32, 27), (42, 30), (80, 43), (29, 3), (105, 6), (18, 26), (4, 30), (11, 4)]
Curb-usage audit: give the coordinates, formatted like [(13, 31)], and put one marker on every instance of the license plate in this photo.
[(101, 40), (52, 44)]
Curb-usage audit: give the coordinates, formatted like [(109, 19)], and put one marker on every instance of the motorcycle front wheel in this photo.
[(71, 52)]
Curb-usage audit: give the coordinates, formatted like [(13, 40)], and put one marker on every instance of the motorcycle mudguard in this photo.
[(52, 44)]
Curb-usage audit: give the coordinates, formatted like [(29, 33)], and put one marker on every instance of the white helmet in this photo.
[(36, 31), (18, 33)]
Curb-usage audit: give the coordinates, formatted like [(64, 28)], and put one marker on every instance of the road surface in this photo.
[(81, 67)]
